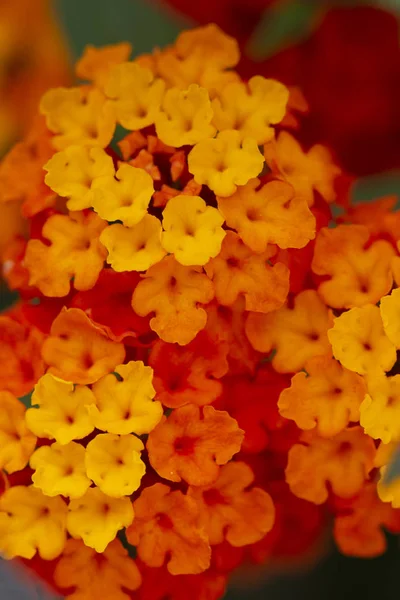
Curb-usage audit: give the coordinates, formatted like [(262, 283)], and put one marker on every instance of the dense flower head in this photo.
[(206, 352)]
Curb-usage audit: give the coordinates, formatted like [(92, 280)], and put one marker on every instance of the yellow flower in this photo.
[(192, 230), (252, 108), (95, 63), (16, 442), (96, 518), (380, 410), (61, 412), (388, 491), (126, 405), (70, 173), (78, 116), (134, 94), (60, 470), (31, 522), (359, 341), (225, 162), (124, 198), (390, 313), (134, 248), (180, 70), (209, 44), (113, 462), (185, 117)]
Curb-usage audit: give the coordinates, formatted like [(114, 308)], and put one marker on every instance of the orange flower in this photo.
[(341, 463), (185, 63), (74, 252), (379, 217), (132, 143), (12, 225), (306, 172), (95, 63), (237, 270), (78, 351), (178, 165), (145, 160), (208, 43), (162, 197), (93, 575), (15, 275), (189, 445), (225, 325), (268, 214), (357, 275), (20, 356), (326, 398), (166, 528), (297, 334), (27, 157), (396, 266), (188, 374), (296, 104), (358, 532), (231, 511), (173, 292)]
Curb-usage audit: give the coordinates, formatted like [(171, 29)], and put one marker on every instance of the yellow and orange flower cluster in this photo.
[(211, 354)]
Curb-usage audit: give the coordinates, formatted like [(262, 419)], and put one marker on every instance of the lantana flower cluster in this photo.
[(207, 354)]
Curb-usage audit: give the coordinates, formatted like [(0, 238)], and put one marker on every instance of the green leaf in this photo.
[(7, 297), (26, 400), (99, 22), (121, 535), (285, 23), (393, 470), (372, 187)]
